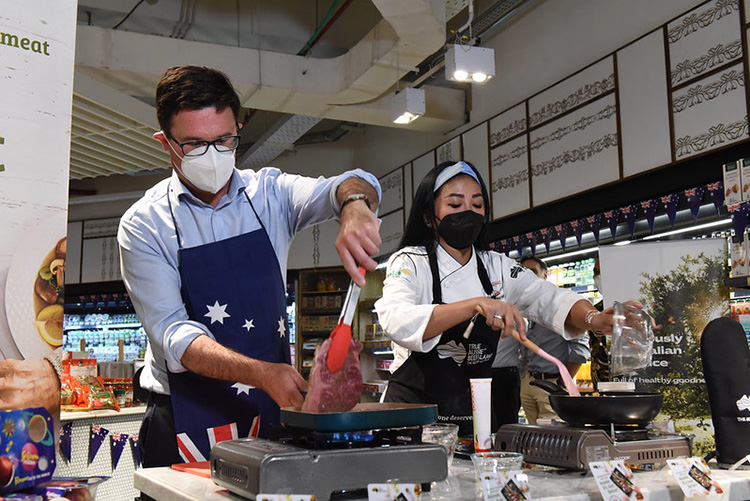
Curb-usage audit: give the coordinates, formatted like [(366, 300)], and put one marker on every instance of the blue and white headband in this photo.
[(449, 173)]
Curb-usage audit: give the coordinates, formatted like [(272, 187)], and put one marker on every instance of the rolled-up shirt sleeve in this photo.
[(578, 349), (313, 200), (402, 310), (154, 287)]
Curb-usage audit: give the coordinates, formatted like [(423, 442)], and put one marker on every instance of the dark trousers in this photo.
[(157, 438), (506, 395)]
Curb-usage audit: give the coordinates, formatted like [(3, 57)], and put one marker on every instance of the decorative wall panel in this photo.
[(392, 186), (420, 167), (574, 91), (391, 231), (576, 152), (705, 38), (476, 151), (643, 104), (508, 125), (509, 189), (450, 151), (710, 112)]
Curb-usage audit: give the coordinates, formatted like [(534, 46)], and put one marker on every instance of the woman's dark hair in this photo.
[(417, 231), (193, 88)]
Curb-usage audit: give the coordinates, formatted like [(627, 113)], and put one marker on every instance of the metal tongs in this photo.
[(341, 336)]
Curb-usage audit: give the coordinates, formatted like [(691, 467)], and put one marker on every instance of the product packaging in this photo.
[(732, 183), (481, 398), (27, 448), (745, 178)]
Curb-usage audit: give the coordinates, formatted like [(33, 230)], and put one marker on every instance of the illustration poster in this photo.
[(681, 284), (37, 42)]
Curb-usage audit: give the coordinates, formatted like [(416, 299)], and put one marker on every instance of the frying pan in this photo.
[(638, 408), (365, 416)]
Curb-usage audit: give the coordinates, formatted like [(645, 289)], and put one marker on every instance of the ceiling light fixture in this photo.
[(464, 63), (407, 105)]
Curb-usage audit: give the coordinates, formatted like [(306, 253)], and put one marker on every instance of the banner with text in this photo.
[(681, 284), (37, 45)]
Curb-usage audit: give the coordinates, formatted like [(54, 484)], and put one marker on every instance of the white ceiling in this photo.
[(347, 76)]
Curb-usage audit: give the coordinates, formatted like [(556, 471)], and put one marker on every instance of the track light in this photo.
[(407, 105), (464, 63)]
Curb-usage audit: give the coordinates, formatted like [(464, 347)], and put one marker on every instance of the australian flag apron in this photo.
[(235, 288)]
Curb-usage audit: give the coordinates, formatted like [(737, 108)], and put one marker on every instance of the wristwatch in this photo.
[(356, 196)]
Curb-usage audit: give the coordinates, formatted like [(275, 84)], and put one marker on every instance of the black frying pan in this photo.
[(619, 408)]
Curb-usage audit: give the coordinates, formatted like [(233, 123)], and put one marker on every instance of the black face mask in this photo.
[(461, 229)]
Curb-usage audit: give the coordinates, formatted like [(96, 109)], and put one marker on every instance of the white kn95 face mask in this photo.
[(208, 172)]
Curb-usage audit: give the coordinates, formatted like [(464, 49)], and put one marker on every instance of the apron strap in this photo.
[(437, 290), (174, 221)]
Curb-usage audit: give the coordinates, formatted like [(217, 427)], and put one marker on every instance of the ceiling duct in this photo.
[(278, 139)]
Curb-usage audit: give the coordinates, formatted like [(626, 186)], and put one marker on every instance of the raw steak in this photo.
[(339, 391)]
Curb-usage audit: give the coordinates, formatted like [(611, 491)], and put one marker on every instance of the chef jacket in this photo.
[(405, 308), (148, 246)]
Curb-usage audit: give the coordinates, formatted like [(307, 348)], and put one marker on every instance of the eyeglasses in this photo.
[(198, 148)]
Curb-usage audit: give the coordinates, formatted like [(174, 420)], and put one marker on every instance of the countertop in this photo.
[(168, 484), (124, 411)]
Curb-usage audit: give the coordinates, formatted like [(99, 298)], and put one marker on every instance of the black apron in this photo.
[(441, 375)]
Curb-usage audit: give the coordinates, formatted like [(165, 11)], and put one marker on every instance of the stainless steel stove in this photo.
[(575, 448), (324, 464)]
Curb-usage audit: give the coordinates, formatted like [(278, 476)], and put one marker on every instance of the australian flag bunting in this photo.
[(96, 438), (118, 441), (136, 450), (694, 196), (66, 430)]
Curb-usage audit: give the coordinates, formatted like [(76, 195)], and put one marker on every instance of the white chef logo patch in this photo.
[(743, 404), (452, 350)]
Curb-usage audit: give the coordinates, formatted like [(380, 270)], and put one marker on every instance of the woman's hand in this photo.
[(502, 316)]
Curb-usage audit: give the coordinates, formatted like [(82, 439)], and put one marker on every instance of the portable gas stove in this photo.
[(303, 460), (576, 447)]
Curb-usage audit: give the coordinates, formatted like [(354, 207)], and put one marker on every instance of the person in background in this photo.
[(506, 383), (598, 342), (441, 278), (204, 260), (571, 352)]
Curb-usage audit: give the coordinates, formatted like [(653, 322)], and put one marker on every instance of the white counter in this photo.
[(167, 484), (119, 486)]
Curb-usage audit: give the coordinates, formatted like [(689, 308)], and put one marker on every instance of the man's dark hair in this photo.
[(193, 88), (418, 229), (538, 261)]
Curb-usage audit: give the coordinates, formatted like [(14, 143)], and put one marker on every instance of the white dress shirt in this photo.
[(148, 246), (405, 308)]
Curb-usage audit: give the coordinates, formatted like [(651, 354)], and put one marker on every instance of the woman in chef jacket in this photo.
[(441, 277)]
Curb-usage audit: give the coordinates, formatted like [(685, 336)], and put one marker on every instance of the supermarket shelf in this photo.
[(103, 327), (738, 282)]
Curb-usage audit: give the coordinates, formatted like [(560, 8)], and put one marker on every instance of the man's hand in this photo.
[(281, 381), (29, 383), (283, 384), (358, 239)]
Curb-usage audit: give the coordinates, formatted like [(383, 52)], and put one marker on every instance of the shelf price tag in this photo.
[(393, 492), (693, 476), (615, 479), (284, 497), (504, 485)]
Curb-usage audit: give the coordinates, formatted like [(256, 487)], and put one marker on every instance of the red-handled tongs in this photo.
[(341, 336)]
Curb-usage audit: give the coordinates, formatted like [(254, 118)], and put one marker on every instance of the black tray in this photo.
[(363, 417)]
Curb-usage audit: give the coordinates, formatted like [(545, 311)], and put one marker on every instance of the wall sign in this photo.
[(37, 41)]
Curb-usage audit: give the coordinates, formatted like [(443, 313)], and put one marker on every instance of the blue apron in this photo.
[(234, 287)]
